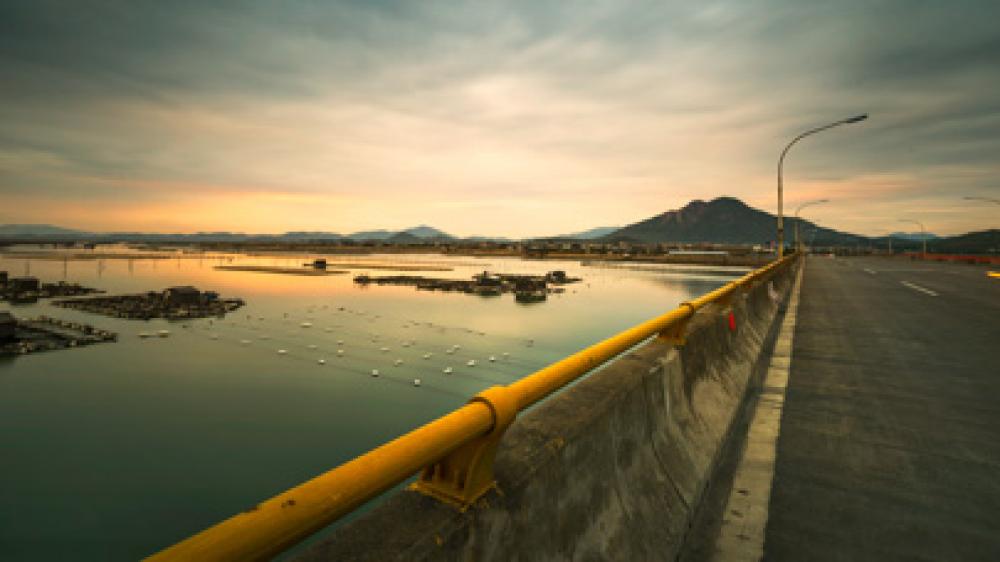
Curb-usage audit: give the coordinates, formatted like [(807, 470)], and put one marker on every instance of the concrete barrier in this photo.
[(613, 468)]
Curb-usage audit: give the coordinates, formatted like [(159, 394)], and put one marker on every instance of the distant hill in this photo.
[(410, 235), (39, 231), (982, 242), (591, 234), (371, 235), (918, 236), (725, 220)]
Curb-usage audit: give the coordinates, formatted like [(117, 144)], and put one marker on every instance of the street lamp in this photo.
[(781, 165), (923, 234), (797, 221)]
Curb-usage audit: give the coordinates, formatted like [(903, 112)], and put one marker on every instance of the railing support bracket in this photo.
[(466, 474), (677, 333)]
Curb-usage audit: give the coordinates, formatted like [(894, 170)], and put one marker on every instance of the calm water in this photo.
[(116, 450)]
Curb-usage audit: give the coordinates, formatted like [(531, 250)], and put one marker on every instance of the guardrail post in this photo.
[(465, 474)]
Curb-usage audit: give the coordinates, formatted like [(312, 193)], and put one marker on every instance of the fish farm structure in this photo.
[(174, 303), (22, 336)]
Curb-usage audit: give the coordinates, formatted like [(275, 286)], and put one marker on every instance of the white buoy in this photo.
[(505, 354), (406, 344), (447, 370), (306, 324), (322, 361), (374, 372), (385, 349), (493, 358), (263, 337), (311, 346), (456, 347), (245, 342), (340, 352), (416, 382), (328, 330), (471, 363), (214, 336), (144, 335), (449, 351), (163, 333), (282, 351), (398, 362), (340, 342), (427, 356)]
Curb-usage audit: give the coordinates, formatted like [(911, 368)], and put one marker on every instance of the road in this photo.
[(889, 447)]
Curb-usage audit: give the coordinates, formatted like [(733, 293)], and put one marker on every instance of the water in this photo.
[(113, 451)]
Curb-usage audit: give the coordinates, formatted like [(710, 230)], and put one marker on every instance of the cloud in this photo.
[(521, 118)]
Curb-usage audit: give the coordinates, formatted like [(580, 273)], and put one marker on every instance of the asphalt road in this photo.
[(890, 436)]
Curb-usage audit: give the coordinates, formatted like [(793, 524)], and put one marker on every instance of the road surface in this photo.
[(889, 446)]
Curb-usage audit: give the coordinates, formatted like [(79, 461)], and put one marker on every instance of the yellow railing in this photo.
[(454, 453)]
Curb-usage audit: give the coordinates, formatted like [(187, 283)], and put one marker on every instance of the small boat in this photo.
[(322, 361), (374, 372), (447, 370), (493, 358), (398, 362), (416, 382), (471, 363), (163, 333), (427, 356)]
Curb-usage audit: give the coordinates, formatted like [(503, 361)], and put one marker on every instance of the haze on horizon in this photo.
[(510, 119)]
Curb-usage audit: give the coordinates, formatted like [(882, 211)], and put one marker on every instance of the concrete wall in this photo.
[(610, 469)]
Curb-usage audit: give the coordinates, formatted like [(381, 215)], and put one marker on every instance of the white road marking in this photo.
[(919, 288), (869, 271)]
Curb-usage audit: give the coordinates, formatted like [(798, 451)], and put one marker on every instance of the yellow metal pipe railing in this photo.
[(454, 451)]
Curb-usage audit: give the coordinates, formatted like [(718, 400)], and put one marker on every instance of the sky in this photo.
[(493, 118)]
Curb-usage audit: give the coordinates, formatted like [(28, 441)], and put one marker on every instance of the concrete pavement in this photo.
[(889, 445)]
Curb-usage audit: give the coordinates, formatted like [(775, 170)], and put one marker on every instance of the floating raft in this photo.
[(308, 271), (175, 303), (23, 336), (527, 288)]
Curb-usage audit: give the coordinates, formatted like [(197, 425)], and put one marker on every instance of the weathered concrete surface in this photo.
[(890, 437), (610, 469)]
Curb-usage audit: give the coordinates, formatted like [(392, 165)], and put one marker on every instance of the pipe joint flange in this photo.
[(502, 402)]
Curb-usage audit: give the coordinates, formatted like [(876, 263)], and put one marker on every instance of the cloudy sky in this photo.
[(505, 118)]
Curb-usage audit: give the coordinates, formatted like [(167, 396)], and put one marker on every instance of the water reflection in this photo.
[(166, 436)]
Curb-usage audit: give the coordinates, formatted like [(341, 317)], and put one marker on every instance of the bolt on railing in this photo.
[(454, 453)]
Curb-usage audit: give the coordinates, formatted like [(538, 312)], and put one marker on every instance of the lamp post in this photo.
[(781, 165), (923, 234), (797, 220)]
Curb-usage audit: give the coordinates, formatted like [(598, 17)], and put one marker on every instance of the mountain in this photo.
[(725, 220), (39, 231), (982, 242), (428, 233), (917, 236), (371, 235), (311, 236), (418, 233), (591, 234)]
